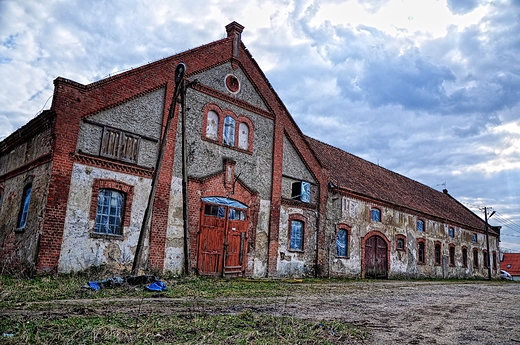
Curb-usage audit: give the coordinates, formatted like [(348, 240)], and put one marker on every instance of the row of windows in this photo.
[(375, 216), (227, 128)]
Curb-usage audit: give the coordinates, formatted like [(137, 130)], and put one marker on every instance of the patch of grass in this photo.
[(243, 328)]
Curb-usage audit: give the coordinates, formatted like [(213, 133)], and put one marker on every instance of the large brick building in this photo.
[(263, 199)]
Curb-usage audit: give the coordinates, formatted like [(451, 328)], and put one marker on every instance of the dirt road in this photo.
[(395, 312)]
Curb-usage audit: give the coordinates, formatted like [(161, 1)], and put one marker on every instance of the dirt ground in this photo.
[(394, 312)]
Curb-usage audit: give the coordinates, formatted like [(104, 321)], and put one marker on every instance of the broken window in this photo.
[(301, 191), (342, 243), (236, 214), (120, 145), (24, 208), (451, 232), (421, 255), (109, 212), (375, 215), (229, 131), (215, 211), (437, 253), (452, 255), (212, 125), (243, 136), (296, 236), (420, 225), (464, 257)]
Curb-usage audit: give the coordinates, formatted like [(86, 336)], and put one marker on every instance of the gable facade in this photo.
[(262, 199)]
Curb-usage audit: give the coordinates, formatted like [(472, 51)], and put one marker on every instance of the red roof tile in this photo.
[(366, 179), (512, 259)]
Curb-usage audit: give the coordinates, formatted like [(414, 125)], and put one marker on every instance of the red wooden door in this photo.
[(222, 241), (376, 264)]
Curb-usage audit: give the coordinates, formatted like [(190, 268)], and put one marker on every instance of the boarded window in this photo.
[(342, 243), (109, 214), (375, 215), (296, 238), (229, 131), (243, 136), (24, 208), (437, 253), (301, 191), (120, 145), (452, 255), (212, 125), (421, 253)]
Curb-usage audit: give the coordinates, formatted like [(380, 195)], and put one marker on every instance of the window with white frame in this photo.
[(212, 124), (296, 235), (109, 214)]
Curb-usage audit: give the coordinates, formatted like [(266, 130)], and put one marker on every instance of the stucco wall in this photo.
[(80, 248), (355, 214)]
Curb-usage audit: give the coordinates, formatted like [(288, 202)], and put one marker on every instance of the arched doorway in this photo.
[(222, 237), (375, 257)]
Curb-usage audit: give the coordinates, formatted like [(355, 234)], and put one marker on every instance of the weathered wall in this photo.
[(27, 163), (355, 214), (81, 247)]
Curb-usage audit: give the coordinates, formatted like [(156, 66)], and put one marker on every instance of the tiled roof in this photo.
[(512, 259), (360, 177)]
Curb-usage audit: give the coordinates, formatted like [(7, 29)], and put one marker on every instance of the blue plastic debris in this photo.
[(156, 286), (93, 285)]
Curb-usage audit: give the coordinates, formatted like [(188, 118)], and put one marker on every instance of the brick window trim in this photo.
[(421, 240), (126, 189), (222, 114), (397, 238), (464, 249), (348, 229), (451, 245), (435, 262), (302, 219)]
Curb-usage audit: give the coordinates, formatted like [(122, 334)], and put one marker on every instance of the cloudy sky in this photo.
[(429, 89)]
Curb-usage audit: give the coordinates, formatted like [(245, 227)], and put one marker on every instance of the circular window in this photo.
[(232, 83)]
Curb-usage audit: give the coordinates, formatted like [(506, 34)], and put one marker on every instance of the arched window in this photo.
[(243, 136), (438, 253), (212, 125), (452, 254), (400, 243), (485, 258), (464, 257), (475, 257), (375, 214), (24, 208), (109, 214), (229, 131), (342, 243), (421, 251)]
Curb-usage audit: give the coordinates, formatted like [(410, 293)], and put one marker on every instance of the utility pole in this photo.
[(180, 71), (486, 225)]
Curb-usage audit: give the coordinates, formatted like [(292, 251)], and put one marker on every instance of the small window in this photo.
[(301, 191), (212, 125), (438, 254), (24, 208), (420, 225), (421, 252), (243, 136), (400, 244), (342, 243), (475, 238), (375, 215), (229, 131), (451, 232), (296, 236), (475, 258), (236, 214), (485, 258), (109, 212), (452, 255), (215, 211), (464, 257)]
